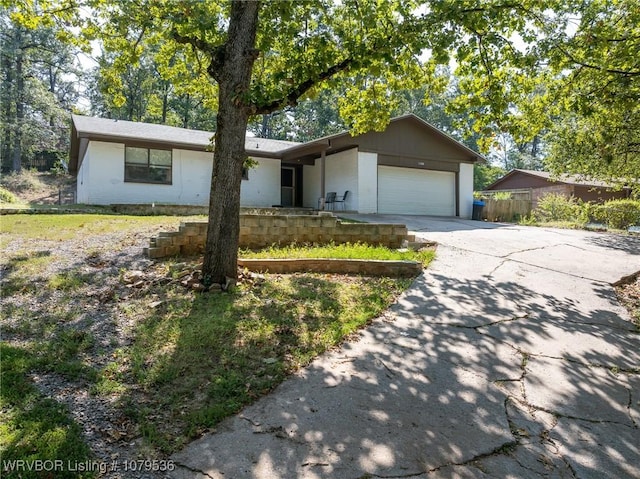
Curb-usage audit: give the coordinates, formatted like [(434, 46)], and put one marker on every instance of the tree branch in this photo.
[(214, 52), (596, 67), (492, 7), (292, 97), (189, 40)]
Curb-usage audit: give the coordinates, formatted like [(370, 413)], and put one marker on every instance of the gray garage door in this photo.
[(416, 192)]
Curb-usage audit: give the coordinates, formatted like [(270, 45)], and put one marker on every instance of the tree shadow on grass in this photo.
[(470, 378), (203, 359)]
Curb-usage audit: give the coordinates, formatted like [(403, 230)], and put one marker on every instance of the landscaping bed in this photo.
[(113, 357), (628, 292)]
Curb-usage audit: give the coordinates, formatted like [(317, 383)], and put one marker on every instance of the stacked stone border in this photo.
[(190, 210), (259, 231), (402, 269)]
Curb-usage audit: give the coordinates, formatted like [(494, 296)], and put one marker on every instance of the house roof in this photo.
[(344, 140), (566, 179), (86, 128), (107, 129)]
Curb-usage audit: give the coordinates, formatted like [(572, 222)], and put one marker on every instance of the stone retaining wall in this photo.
[(188, 210), (259, 231), (402, 269)]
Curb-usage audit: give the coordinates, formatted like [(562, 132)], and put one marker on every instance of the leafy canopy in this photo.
[(598, 90), (367, 49)]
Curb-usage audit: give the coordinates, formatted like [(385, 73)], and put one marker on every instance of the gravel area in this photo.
[(93, 308)]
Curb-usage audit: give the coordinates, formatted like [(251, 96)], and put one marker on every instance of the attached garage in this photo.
[(409, 168), (413, 191)]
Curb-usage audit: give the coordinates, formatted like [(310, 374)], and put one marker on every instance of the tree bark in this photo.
[(6, 95), (231, 68), (19, 92)]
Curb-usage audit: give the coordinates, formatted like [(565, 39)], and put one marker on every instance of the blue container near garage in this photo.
[(477, 210)]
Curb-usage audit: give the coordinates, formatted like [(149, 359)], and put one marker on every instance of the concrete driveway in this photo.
[(509, 357)]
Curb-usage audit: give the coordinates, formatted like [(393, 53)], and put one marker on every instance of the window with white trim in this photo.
[(147, 165)]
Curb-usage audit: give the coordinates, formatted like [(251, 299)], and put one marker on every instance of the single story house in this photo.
[(410, 168), (540, 184)]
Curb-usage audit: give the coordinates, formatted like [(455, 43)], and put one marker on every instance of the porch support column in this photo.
[(457, 192), (322, 173)]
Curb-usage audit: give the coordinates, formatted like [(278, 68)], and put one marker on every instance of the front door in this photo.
[(287, 186)]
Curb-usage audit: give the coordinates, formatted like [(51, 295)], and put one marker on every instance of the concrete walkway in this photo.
[(509, 357)]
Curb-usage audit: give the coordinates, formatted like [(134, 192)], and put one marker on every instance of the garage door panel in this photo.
[(414, 191)]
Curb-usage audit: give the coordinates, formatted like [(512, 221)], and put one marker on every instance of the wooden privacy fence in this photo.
[(496, 208)]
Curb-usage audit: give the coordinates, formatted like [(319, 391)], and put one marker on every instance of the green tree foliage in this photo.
[(509, 154), (313, 117), (484, 175), (318, 116), (144, 94), (37, 89), (598, 134), (518, 63), (571, 80)]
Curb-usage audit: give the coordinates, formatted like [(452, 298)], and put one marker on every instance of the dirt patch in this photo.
[(40, 188), (629, 295)]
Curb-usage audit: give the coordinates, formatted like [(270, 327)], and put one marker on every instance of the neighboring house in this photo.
[(410, 168), (541, 184)]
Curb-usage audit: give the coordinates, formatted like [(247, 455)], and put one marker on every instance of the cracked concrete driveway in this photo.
[(509, 357)]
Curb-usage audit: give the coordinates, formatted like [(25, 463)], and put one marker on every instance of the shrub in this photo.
[(25, 180), (528, 220), (502, 195), (557, 207), (7, 197), (618, 214)]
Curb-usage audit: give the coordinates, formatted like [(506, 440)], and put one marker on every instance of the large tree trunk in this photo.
[(19, 75), (7, 111), (234, 65)]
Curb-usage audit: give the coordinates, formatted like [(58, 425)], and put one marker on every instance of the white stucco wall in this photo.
[(466, 190), (263, 186), (191, 178), (341, 174), (367, 182), (82, 179), (101, 179), (311, 185)]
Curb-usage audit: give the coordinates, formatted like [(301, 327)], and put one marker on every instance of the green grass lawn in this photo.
[(198, 358), (193, 358), (61, 227), (342, 251), (34, 428)]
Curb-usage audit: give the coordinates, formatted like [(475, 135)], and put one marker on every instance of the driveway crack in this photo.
[(192, 469), (633, 370), (504, 448), (400, 476), (508, 257), (629, 406), (281, 433)]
